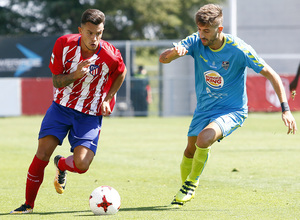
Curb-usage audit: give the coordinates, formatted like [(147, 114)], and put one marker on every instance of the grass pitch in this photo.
[(252, 174)]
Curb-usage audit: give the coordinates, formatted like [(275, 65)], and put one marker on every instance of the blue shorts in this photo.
[(83, 129), (228, 121)]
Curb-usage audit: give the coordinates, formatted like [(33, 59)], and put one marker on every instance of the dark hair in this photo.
[(210, 14), (94, 16)]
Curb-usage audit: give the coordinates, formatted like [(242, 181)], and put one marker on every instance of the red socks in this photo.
[(69, 164), (35, 175), (35, 178)]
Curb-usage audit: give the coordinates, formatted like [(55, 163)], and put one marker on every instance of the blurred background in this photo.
[(141, 30)]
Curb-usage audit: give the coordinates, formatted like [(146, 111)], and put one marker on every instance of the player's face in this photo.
[(210, 35), (91, 35)]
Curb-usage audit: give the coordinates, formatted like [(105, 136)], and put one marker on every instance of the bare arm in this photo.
[(294, 83), (275, 80), (172, 53), (105, 107), (63, 80)]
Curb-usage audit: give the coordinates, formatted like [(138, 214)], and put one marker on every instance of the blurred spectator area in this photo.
[(271, 27)]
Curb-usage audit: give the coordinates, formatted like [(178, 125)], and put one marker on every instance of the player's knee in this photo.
[(43, 155), (81, 167), (189, 153), (204, 142), (46, 146)]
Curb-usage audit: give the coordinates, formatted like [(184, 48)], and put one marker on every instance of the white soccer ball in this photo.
[(105, 200)]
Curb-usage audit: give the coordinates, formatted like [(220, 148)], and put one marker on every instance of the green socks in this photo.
[(185, 167), (200, 159)]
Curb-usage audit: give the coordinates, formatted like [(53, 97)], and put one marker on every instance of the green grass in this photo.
[(140, 158)]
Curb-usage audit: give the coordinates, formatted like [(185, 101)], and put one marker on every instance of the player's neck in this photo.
[(218, 43), (86, 53)]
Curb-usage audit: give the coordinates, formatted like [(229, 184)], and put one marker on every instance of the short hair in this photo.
[(209, 14), (94, 16)]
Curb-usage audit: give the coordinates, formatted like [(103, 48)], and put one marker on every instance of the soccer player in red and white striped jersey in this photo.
[(87, 72)]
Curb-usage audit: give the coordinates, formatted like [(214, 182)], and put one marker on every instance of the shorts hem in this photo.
[(45, 135)]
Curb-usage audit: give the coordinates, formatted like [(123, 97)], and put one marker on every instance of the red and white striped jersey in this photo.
[(86, 94)]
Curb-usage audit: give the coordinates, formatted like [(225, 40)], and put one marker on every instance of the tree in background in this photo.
[(125, 19)]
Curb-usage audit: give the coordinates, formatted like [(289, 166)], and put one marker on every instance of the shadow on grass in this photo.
[(167, 208), (47, 213), (89, 212), (149, 208)]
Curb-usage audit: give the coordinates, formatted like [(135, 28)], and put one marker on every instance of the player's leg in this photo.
[(51, 134), (198, 123), (221, 125), (83, 158), (83, 137), (200, 152), (187, 159), (205, 139), (35, 173), (79, 162)]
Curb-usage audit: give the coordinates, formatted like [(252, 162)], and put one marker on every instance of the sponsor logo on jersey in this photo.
[(225, 65), (213, 79), (94, 70)]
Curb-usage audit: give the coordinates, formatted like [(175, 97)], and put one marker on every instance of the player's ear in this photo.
[(79, 30), (220, 29)]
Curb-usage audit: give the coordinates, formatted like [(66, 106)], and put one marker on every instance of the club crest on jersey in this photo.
[(225, 65), (94, 70), (213, 79)]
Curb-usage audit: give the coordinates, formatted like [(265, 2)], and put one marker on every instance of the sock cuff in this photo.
[(187, 160), (204, 149), (78, 170), (39, 161)]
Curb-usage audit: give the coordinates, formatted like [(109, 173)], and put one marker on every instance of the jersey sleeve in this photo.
[(119, 62), (189, 43), (117, 68), (118, 65), (253, 61), (56, 65)]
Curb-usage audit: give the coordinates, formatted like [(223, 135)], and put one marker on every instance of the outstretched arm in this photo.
[(172, 53), (275, 80)]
